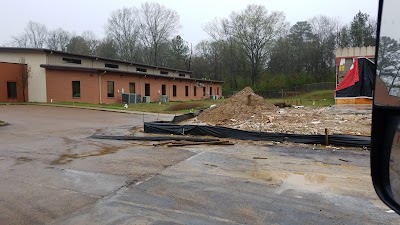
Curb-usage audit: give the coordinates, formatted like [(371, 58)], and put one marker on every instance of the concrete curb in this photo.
[(93, 108)]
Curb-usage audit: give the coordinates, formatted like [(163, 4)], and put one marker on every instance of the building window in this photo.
[(71, 60), (141, 70), (186, 91), (146, 89), (163, 89), (76, 89), (109, 65), (218, 91), (110, 89), (174, 90), (163, 72), (210, 91), (194, 91), (12, 89), (182, 75), (204, 91), (132, 87)]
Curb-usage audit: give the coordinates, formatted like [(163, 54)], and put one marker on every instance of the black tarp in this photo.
[(361, 88), (225, 132)]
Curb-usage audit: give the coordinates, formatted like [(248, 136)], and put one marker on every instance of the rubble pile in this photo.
[(248, 111), (243, 106)]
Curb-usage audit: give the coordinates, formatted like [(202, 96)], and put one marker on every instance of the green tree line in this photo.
[(253, 47)]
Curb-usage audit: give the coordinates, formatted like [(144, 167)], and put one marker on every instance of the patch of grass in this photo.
[(169, 107), (186, 106), (316, 98)]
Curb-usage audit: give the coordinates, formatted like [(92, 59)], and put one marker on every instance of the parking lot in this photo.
[(52, 172)]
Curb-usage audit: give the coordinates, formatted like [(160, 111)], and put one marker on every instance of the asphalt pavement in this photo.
[(53, 173)]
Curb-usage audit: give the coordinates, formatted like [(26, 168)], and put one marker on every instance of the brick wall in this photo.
[(11, 72), (59, 87)]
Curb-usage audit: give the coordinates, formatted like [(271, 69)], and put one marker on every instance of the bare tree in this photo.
[(217, 29), (24, 76), (123, 28), (58, 39), (255, 30), (157, 24), (325, 27), (325, 30), (91, 40), (34, 36)]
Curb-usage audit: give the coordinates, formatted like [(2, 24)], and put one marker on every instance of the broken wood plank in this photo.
[(155, 138), (201, 143), (163, 143), (256, 157), (344, 160)]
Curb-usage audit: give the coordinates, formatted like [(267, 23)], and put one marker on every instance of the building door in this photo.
[(211, 91), (146, 89)]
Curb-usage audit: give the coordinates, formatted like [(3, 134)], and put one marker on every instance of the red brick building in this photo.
[(64, 77), (11, 85)]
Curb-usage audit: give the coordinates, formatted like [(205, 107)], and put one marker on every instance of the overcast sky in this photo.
[(81, 15)]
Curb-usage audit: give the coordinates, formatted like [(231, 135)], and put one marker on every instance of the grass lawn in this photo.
[(316, 98), (170, 107)]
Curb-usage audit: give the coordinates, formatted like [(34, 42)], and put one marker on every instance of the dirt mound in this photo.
[(243, 106)]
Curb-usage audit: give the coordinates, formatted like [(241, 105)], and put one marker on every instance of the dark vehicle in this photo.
[(385, 139)]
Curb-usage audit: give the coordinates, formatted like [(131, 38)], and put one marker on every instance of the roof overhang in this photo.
[(49, 51), (107, 70)]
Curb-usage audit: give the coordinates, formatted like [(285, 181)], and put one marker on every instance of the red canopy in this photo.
[(351, 77)]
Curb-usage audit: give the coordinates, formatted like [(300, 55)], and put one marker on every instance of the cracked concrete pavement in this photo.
[(52, 173)]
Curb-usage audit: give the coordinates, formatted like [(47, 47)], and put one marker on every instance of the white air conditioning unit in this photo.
[(146, 99), (213, 97), (164, 98)]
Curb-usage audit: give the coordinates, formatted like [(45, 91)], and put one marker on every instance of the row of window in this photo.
[(113, 66), (76, 89)]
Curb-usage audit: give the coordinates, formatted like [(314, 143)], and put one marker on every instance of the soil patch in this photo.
[(245, 105), (66, 158)]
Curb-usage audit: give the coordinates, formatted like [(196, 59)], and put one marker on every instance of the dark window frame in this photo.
[(194, 91), (110, 92), (163, 89), (110, 65), (76, 93), (211, 91), (182, 75), (71, 60), (163, 72), (12, 91), (174, 90), (186, 91), (147, 89), (143, 70), (204, 91)]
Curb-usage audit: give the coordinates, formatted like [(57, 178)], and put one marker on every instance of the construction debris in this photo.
[(248, 111)]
